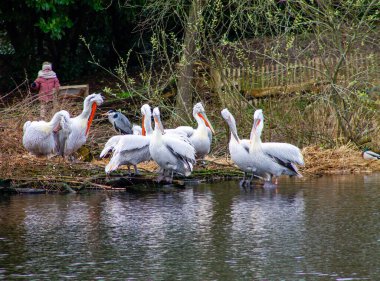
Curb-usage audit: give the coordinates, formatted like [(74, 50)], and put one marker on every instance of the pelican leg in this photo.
[(169, 178), (136, 170), (243, 183), (276, 180), (161, 176)]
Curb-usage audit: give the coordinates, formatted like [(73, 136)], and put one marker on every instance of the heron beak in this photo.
[(143, 132), (203, 116), (104, 114), (91, 118)]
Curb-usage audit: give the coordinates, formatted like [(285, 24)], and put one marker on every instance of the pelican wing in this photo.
[(287, 164), (110, 145), (26, 125), (181, 130), (60, 138), (131, 142), (181, 148), (284, 152)]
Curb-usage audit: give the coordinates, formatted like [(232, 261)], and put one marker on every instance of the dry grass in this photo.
[(345, 159)]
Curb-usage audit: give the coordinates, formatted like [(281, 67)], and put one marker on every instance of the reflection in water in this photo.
[(322, 228)]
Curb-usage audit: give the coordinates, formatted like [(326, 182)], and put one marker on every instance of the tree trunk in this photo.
[(185, 89)]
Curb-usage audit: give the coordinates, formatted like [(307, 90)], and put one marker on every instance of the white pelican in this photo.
[(80, 125), (172, 153), (128, 150), (239, 149), (201, 137), (273, 158), (40, 137)]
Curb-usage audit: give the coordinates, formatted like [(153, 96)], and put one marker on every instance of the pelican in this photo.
[(239, 150), (130, 149), (172, 153), (80, 126), (127, 150), (119, 122), (40, 136), (273, 158), (201, 137)]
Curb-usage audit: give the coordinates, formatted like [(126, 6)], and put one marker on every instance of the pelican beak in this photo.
[(256, 123), (234, 133), (203, 116), (158, 123), (94, 106), (235, 136), (57, 128), (143, 132)]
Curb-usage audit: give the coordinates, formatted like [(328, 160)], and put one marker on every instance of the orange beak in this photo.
[(143, 126), (206, 122), (93, 109)]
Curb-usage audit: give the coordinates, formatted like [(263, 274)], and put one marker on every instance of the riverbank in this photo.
[(18, 169), (25, 171)]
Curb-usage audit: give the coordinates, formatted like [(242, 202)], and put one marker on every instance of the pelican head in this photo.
[(146, 117), (199, 111), (258, 123), (93, 98), (91, 101), (231, 123), (258, 120), (145, 110), (157, 120)]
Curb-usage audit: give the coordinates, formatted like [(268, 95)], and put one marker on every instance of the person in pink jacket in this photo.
[(47, 85)]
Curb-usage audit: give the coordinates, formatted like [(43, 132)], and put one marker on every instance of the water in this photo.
[(320, 229)]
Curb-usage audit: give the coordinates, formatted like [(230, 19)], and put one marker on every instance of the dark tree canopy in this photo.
[(51, 30)]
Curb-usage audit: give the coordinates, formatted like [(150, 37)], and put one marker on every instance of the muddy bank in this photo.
[(25, 173)]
